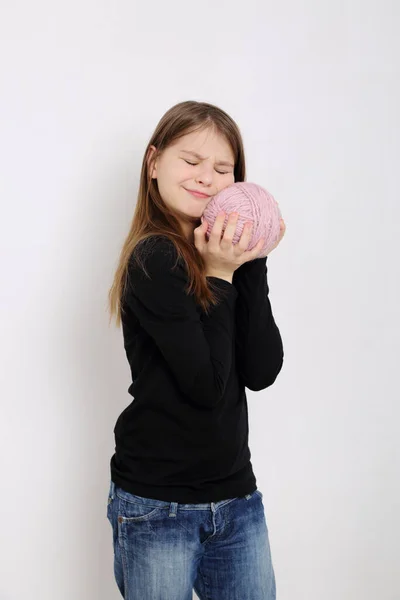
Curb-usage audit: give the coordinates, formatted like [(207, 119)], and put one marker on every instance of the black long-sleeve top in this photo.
[(184, 436)]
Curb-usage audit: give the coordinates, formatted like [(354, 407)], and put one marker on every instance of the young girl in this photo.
[(198, 328)]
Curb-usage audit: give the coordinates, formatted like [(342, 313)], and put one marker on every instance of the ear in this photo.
[(151, 164)]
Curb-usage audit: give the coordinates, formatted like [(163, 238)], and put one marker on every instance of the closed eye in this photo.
[(193, 164)]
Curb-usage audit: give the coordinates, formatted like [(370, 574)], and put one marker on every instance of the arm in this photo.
[(198, 351), (259, 348)]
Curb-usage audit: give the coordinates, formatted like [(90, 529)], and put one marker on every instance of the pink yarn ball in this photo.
[(253, 203)]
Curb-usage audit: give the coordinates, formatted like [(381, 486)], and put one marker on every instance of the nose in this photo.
[(205, 175)]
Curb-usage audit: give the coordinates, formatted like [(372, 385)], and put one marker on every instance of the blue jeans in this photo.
[(164, 550)]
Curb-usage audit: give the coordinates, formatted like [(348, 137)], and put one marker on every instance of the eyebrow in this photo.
[(220, 162)]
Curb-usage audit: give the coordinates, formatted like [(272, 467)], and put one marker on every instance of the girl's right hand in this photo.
[(220, 255)]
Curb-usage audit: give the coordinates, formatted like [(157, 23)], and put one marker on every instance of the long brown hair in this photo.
[(153, 217)]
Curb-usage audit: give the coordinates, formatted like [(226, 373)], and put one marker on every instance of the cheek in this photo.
[(179, 174), (228, 180), (173, 177), (184, 175)]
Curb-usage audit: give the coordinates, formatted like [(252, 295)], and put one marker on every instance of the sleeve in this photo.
[(259, 348), (197, 349)]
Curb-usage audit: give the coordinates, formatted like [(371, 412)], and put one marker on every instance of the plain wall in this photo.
[(314, 87)]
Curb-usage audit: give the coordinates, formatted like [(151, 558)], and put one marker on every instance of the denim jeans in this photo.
[(165, 550)]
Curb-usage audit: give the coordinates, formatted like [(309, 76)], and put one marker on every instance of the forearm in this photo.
[(259, 348)]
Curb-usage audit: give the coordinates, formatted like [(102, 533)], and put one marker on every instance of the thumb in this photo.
[(199, 234)]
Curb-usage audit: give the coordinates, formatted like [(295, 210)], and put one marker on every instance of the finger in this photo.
[(199, 235), (246, 236), (216, 231), (201, 228), (251, 254), (258, 247), (229, 230)]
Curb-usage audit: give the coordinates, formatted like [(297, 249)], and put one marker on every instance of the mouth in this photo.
[(198, 194)]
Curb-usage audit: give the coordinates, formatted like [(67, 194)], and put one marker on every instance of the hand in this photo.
[(219, 254)]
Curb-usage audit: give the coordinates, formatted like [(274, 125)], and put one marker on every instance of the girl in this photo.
[(198, 328)]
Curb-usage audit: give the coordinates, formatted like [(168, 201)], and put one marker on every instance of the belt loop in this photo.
[(173, 507), (248, 496)]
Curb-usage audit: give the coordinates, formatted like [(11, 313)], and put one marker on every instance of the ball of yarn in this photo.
[(254, 204)]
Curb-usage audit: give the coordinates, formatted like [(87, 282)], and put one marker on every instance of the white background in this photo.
[(314, 87)]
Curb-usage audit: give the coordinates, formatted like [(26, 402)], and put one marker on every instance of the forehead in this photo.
[(206, 142)]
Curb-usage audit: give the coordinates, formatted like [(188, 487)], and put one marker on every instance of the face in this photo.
[(201, 161)]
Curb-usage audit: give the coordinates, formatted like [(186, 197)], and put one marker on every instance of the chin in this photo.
[(193, 218)]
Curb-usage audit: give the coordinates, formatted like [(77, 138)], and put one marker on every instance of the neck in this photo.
[(188, 228)]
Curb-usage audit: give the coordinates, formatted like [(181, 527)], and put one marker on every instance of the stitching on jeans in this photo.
[(125, 569)]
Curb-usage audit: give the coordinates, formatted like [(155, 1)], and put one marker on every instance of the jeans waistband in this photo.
[(173, 506)]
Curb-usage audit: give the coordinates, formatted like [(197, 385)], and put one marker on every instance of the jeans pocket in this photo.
[(129, 512), (133, 508)]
